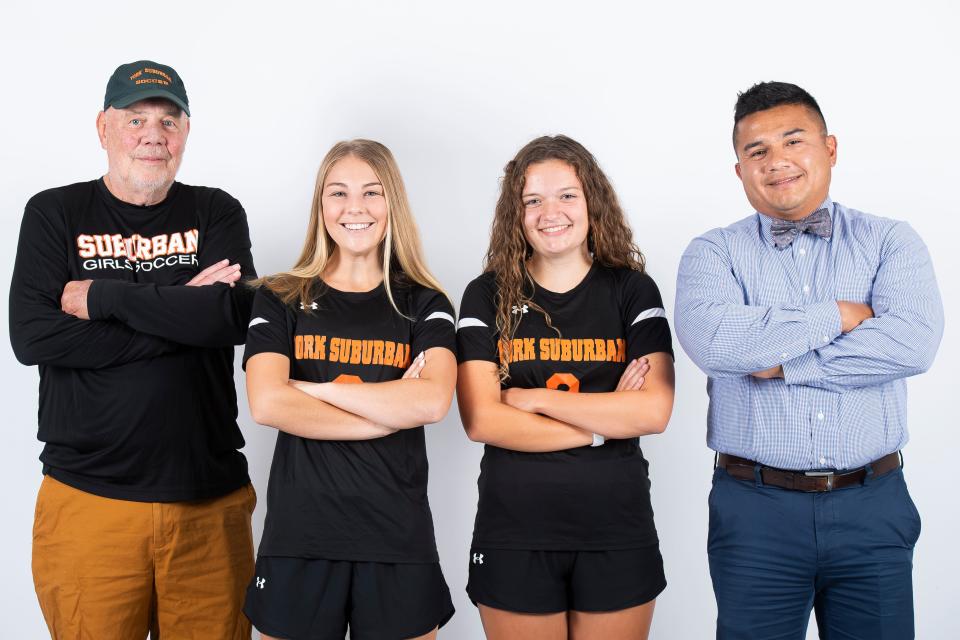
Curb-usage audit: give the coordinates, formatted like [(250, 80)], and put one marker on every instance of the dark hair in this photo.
[(767, 95)]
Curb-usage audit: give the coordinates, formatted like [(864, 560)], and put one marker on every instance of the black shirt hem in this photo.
[(140, 494), (354, 556), (565, 545)]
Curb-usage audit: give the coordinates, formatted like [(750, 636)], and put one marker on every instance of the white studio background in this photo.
[(455, 89)]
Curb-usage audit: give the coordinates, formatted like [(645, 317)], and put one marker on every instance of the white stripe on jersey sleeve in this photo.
[(656, 312), (257, 321), (470, 322), (441, 315)]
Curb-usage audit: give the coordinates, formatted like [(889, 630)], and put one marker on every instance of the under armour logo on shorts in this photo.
[(261, 582), (478, 558)]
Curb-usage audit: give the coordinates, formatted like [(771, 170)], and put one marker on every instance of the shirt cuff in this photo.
[(103, 298), (803, 369), (823, 323)]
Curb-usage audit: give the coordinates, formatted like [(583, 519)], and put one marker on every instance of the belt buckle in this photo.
[(822, 474)]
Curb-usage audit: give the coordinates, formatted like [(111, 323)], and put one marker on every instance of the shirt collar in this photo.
[(766, 221)]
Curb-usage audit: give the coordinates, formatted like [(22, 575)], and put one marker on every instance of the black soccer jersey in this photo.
[(360, 500), (578, 499)]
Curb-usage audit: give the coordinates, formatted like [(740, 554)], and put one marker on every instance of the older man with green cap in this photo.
[(124, 296)]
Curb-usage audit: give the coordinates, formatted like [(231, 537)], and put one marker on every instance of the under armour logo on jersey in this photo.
[(313, 305), (521, 310), (261, 582), (478, 558)]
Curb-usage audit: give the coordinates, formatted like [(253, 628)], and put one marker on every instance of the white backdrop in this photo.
[(454, 89)]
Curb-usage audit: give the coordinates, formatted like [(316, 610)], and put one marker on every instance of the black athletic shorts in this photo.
[(554, 581), (311, 599)]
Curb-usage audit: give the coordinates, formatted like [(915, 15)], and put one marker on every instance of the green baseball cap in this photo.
[(145, 79)]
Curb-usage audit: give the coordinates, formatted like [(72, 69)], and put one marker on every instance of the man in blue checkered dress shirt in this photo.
[(808, 317)]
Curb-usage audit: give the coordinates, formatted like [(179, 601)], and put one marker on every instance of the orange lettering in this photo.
[(86, 246), (577, 350), (528, 352), (554, 348), (516, 350), (143, 248), (176, 243), (193, 239), (104, 246), (159, 245), (601, 349)]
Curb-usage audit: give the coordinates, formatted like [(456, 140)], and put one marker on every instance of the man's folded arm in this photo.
[(726, 337), (40, 332), (903, 337), (214, 315)]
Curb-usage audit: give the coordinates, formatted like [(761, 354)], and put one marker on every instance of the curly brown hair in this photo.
[(609, 238)]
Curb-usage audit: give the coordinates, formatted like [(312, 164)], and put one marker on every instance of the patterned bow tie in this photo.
[(785, 232)]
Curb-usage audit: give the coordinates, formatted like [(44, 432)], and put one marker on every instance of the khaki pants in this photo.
[(106, 569)]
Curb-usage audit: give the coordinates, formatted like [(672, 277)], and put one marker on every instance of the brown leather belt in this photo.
[(814, 481)]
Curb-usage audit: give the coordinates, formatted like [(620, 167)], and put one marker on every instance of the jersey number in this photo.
[(348, 378), (567, 380)]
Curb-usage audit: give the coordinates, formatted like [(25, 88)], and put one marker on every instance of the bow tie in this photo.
[(785, 231)]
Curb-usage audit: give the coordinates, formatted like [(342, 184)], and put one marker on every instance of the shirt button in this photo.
[(823, 460), (825, 339), (784, 356), (806, 288), (820, 416), (803, 252)]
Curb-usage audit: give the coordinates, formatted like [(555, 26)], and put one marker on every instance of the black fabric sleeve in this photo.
[(270, 328), (40, 332), (209, 316), (477, 328), (644, 318), (434, 322)]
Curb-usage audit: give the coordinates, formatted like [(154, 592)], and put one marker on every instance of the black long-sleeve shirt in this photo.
[(138, 402)]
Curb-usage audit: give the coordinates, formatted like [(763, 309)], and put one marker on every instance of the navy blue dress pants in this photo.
[(848, 554)]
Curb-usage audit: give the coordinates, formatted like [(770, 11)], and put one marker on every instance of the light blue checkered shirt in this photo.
[(744, 306)]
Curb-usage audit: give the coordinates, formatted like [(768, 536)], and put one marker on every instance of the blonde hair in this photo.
[(402, 251)]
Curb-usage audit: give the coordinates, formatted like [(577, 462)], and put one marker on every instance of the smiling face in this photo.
[(555, 220), (144, 144), (785, 160), (354, 206)]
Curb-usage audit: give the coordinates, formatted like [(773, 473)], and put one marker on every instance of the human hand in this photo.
[(852, 314), (310, 388), (221, 271), (522, 399), (319, 389), (767, 374), (634, 375), (413, 371), (73, 300)]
